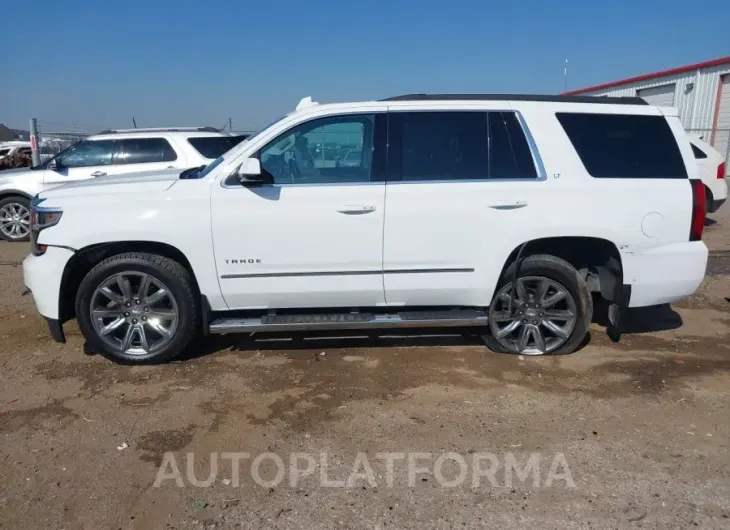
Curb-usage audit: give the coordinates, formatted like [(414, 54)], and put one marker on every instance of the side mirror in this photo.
[(53, 164), (250, 174)]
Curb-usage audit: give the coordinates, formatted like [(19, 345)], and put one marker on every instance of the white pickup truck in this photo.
[(506, 213)]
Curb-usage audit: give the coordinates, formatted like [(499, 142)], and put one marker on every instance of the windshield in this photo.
[(256, 134), (203, 171), (214, 146)]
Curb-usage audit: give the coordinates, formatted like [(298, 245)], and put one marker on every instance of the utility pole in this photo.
[(35, 154)]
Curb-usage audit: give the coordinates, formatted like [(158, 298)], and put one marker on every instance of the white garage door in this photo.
[(661, 96), (722, 136)]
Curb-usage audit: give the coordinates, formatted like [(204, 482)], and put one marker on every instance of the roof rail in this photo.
[(519, 97), (160, 129)]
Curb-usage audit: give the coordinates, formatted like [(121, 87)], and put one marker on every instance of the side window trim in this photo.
[(536, 158)]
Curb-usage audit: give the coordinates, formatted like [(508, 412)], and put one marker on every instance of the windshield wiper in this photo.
[(192, 173)]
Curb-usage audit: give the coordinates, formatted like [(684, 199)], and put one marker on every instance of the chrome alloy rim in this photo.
[(542, 319), (14, 220), (134, 313)]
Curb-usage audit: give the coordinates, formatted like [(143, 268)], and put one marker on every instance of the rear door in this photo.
[(84, 160), (462, 186), (146, 154)]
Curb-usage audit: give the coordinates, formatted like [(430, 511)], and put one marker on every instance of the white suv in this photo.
[(505, 213), (108, 153), (711, 167)]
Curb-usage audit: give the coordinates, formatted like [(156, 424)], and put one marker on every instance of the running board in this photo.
[(334, 321)]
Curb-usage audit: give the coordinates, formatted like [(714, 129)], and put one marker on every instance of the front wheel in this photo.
[(549, 313), (138, 308), (15, 219)]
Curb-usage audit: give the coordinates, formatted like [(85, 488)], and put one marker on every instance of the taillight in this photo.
[(698, 210), (721, 171)]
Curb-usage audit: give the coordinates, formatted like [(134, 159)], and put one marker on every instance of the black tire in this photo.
[(25, 203), (180, 284), (560, 271)]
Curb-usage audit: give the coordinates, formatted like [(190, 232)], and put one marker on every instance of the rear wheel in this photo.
[(549, 313), (15, 219), (138, 308)]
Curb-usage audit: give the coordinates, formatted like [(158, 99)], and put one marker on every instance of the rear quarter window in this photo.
[(624, 145)]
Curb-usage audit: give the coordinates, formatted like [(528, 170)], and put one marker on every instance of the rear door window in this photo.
[(458, 145), (144, 151), (214, 146), (443, 145), (624, 146)]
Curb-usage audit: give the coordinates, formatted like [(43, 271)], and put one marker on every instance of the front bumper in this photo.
[(43, 275)]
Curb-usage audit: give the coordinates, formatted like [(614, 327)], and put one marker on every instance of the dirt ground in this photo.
[(626, 435)]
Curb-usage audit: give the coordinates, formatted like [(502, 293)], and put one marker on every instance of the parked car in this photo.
[(712, 169), (350, 158), (108, 153), (8, 149), (504, 213)]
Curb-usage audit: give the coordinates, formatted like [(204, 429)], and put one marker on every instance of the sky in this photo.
[(99, 64)]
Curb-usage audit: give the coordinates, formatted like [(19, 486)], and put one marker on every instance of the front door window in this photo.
[(313, 152)]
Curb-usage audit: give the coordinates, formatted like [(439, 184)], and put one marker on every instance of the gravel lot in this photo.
[(634, 434)]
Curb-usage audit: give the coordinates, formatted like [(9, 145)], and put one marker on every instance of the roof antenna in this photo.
[(134, 122), (565, 75)]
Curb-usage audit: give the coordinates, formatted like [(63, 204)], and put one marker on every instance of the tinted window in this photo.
[(699, 153), (144, 151), (87, 154), (624, 146), (509, 152), (214, 146), (444, 145), (312, 152), (25, 151), (4, 152)]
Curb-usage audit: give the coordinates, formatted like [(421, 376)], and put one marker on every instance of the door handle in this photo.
[(98, 174), (508, 205), (355, 209)]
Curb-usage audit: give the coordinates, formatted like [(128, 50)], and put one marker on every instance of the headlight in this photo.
[(40, 219)]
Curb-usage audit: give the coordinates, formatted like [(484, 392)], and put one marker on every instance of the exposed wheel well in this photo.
[(85, 259), (13, 193), (598, 260)]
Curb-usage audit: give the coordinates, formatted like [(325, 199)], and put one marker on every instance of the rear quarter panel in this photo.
[(635, 214)]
